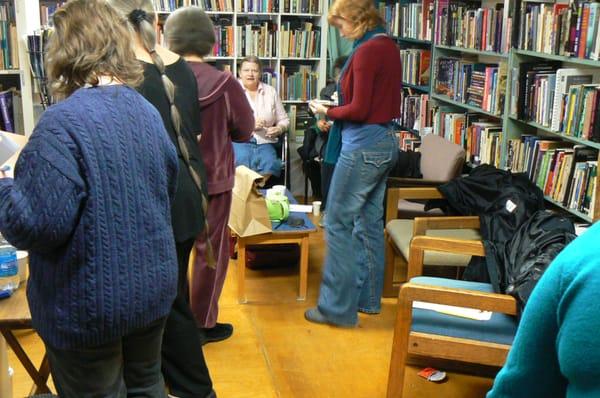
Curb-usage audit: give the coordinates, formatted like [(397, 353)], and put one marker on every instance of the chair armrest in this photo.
[(422, 224), (395, 194), (420, 243), (400, 182), (484, 301)]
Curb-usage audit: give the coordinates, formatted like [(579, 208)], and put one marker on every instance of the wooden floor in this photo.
[(274, 352)]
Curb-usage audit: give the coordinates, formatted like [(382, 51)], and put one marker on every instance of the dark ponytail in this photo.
[(141, 16)]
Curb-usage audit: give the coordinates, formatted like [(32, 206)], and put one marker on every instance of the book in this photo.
[(6, 111), (565, 78)]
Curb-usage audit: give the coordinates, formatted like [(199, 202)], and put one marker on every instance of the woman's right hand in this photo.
[(260, 124), (323, 126)]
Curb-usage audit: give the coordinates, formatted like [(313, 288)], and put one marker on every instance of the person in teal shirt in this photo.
[(556, 352)]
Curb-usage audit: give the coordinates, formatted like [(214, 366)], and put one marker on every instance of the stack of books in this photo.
[(9, 55), (415, 66), (467, 25), (415, 112), (300, 85), (258, 39), (477, 84), (561, 29), (566, 173), (224, 39), (408, 20), (299, 40)]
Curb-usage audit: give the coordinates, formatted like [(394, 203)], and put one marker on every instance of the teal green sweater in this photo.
[(556, 352)]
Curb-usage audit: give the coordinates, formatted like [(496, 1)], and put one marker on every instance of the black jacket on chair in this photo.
[(502, 200)]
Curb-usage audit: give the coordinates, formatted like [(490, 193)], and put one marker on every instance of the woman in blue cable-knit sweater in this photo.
[(91, 201)]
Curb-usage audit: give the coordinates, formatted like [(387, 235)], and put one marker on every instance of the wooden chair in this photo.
[(421, 333), (399, 232), (440, 162)]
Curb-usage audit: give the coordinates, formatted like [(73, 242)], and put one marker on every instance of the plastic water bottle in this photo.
[(9, 269)]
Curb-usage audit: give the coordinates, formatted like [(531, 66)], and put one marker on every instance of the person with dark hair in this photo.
[(271, 121), (315, 139), (170, 86), (363, 147), (330, 93), (91, 201), (227, 117)]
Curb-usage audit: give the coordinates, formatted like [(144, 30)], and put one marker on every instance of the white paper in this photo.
[(7, 148), (301, 208), (463, 312)]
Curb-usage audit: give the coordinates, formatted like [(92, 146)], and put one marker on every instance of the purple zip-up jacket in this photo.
[(226, 117)]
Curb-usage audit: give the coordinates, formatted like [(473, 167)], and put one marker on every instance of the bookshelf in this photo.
[(289, 37), (410, 23), (16, 19), (503, 126)]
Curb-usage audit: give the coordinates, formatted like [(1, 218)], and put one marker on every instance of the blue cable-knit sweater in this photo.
[(556, 352), (91, 202)]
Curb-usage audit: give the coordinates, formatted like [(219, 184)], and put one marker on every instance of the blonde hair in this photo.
[(90, 40), (141, 18), (361, 13)]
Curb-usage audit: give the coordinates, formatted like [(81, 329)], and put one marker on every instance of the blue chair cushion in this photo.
[(501, 328)]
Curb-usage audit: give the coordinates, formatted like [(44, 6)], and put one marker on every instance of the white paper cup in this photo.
[(316, 208)]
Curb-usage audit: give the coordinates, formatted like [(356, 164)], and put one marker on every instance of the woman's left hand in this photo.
[(317, 108), (274, 132)]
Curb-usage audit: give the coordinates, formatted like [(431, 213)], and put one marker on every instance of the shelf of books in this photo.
[(16, 94), (411, 24), (554, 114), (517, 84), (287, 36)]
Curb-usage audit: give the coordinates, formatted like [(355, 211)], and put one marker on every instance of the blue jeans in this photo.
[(354, 265), (260, 158)]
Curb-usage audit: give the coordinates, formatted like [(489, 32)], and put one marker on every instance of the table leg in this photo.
[(241, 271), (44, 372), (39, 377), (303, 268)]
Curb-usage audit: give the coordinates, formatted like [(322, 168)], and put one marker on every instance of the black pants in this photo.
[(128, 367), (183, 362), (326, 174)]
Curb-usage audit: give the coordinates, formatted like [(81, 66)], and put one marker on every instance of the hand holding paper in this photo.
[(317, 108)]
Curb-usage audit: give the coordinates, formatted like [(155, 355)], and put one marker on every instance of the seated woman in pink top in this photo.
[(271, 121)]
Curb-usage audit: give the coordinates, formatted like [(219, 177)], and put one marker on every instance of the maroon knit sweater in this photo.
[(371, 84)]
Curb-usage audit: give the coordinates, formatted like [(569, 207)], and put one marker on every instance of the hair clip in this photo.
[(137, 16)]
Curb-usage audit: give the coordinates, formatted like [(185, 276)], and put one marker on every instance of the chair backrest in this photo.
[(441, 160)]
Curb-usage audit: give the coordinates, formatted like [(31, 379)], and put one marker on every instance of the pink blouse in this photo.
[(268, 106)]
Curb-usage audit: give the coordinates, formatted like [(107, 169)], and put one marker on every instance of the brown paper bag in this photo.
[(248, 214)]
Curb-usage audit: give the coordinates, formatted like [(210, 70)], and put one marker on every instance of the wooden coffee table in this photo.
[(281, 234)]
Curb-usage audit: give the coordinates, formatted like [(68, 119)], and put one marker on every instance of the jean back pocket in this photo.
[(377, 159)]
